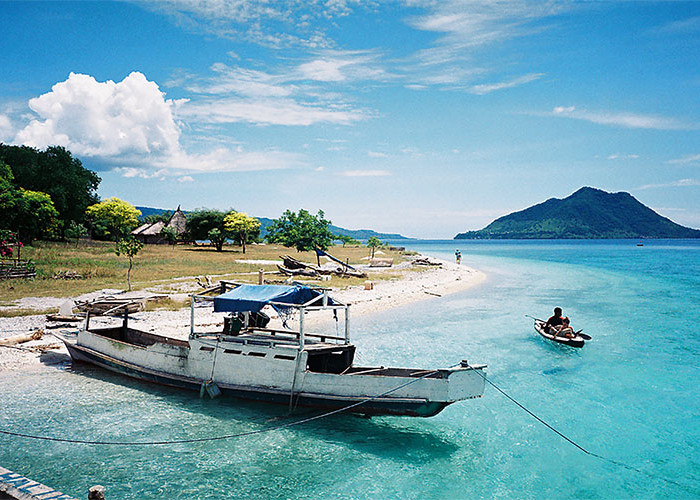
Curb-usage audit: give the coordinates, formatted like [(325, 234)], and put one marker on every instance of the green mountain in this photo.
[(588, 213), (358, 234)]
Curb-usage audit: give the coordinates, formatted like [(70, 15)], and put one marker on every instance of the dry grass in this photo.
[(13, 313), (159, 265)]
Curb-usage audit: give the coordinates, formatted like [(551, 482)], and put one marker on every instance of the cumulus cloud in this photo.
[(105, 119), (131, 127), (6, 130), (622, 119)]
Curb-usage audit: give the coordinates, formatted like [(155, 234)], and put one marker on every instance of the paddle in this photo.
[(583, 335)]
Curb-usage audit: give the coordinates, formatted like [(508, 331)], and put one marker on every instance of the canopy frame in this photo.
[(224, 286)]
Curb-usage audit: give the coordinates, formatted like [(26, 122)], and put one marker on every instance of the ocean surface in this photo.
[(630, 395)]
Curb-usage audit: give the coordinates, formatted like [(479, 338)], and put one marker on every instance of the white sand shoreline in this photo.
[(410, 286)]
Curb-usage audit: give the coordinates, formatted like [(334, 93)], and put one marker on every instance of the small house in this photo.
[(151, 233)]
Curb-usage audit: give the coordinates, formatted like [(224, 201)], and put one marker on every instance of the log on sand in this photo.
[(21, 338)]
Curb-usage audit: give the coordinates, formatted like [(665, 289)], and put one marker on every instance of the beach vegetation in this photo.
[(242, 227), (170, 235), (373, 243), (76, 230), (128, 247), (201, 222), (302, 231), (346, 240), (217, 237), (54, 171), (112, 219), (167, 269)]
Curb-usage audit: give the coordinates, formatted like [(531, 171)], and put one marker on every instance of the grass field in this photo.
[(154, 265)]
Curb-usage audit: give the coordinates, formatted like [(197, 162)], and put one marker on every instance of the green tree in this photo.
[(113, 218), (302, 231), (161, 217), (169, 234), (373, 243), (37, 215), (76, 230), (242, 226), (347, 240), (200, 222), (128, 247), (217, 237), (56, 172), (10, 198)]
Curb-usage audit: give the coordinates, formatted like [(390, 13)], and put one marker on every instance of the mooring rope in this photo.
[(574, 443), (223, 437)]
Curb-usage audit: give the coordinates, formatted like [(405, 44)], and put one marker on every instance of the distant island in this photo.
[(358, 234), (588, 213)]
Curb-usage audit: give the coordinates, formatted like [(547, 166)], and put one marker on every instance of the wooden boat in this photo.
[(286, 366), (576, 341)]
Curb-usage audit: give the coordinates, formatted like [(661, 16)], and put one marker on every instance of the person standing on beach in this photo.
[(458, 256)]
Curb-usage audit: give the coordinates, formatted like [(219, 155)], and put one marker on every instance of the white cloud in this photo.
[(273, 24), (618, 156), (131, 126), (105, 119), (679, 183), (185, 178), (6, 130), (685, 160), (266, 112), (343, 66), (622, 119), (324, 70), (466, 26), (376, 154), (142, 173), (241, 81), (491, 87), (366, 173)]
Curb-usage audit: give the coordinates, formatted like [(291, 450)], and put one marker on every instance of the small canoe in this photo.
[(576, 341)]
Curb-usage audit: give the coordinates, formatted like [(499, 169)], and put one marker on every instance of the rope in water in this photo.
[(223, 437), (341, 410), (574, 443)]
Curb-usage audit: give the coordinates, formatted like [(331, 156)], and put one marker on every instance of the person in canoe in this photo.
[(555, 321), (564, 330)]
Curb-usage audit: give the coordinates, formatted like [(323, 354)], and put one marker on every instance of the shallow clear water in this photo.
[(630, 395)]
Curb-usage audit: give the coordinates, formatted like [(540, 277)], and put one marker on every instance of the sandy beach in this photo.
[(409, 283)]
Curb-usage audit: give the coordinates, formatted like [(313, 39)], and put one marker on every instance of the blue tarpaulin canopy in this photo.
[(254, 297)]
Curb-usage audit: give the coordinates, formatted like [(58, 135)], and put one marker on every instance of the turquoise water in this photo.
[(631, 395)]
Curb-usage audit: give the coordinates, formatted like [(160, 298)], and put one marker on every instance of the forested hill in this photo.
[(588, 213)]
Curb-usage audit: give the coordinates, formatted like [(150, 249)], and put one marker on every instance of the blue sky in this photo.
[(424, 118)]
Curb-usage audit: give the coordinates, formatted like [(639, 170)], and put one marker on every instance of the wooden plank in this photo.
[(20, 488)]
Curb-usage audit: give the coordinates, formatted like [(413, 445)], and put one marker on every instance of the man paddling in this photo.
[(554, 321)]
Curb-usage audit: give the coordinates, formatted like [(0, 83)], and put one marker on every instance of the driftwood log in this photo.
[(297, 272), (115, 307), (21, 338), (291, 264)]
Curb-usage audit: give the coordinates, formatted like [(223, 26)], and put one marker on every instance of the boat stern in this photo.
[(465, 382)]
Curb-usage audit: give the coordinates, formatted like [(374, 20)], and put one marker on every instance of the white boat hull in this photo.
[(278, 372)]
